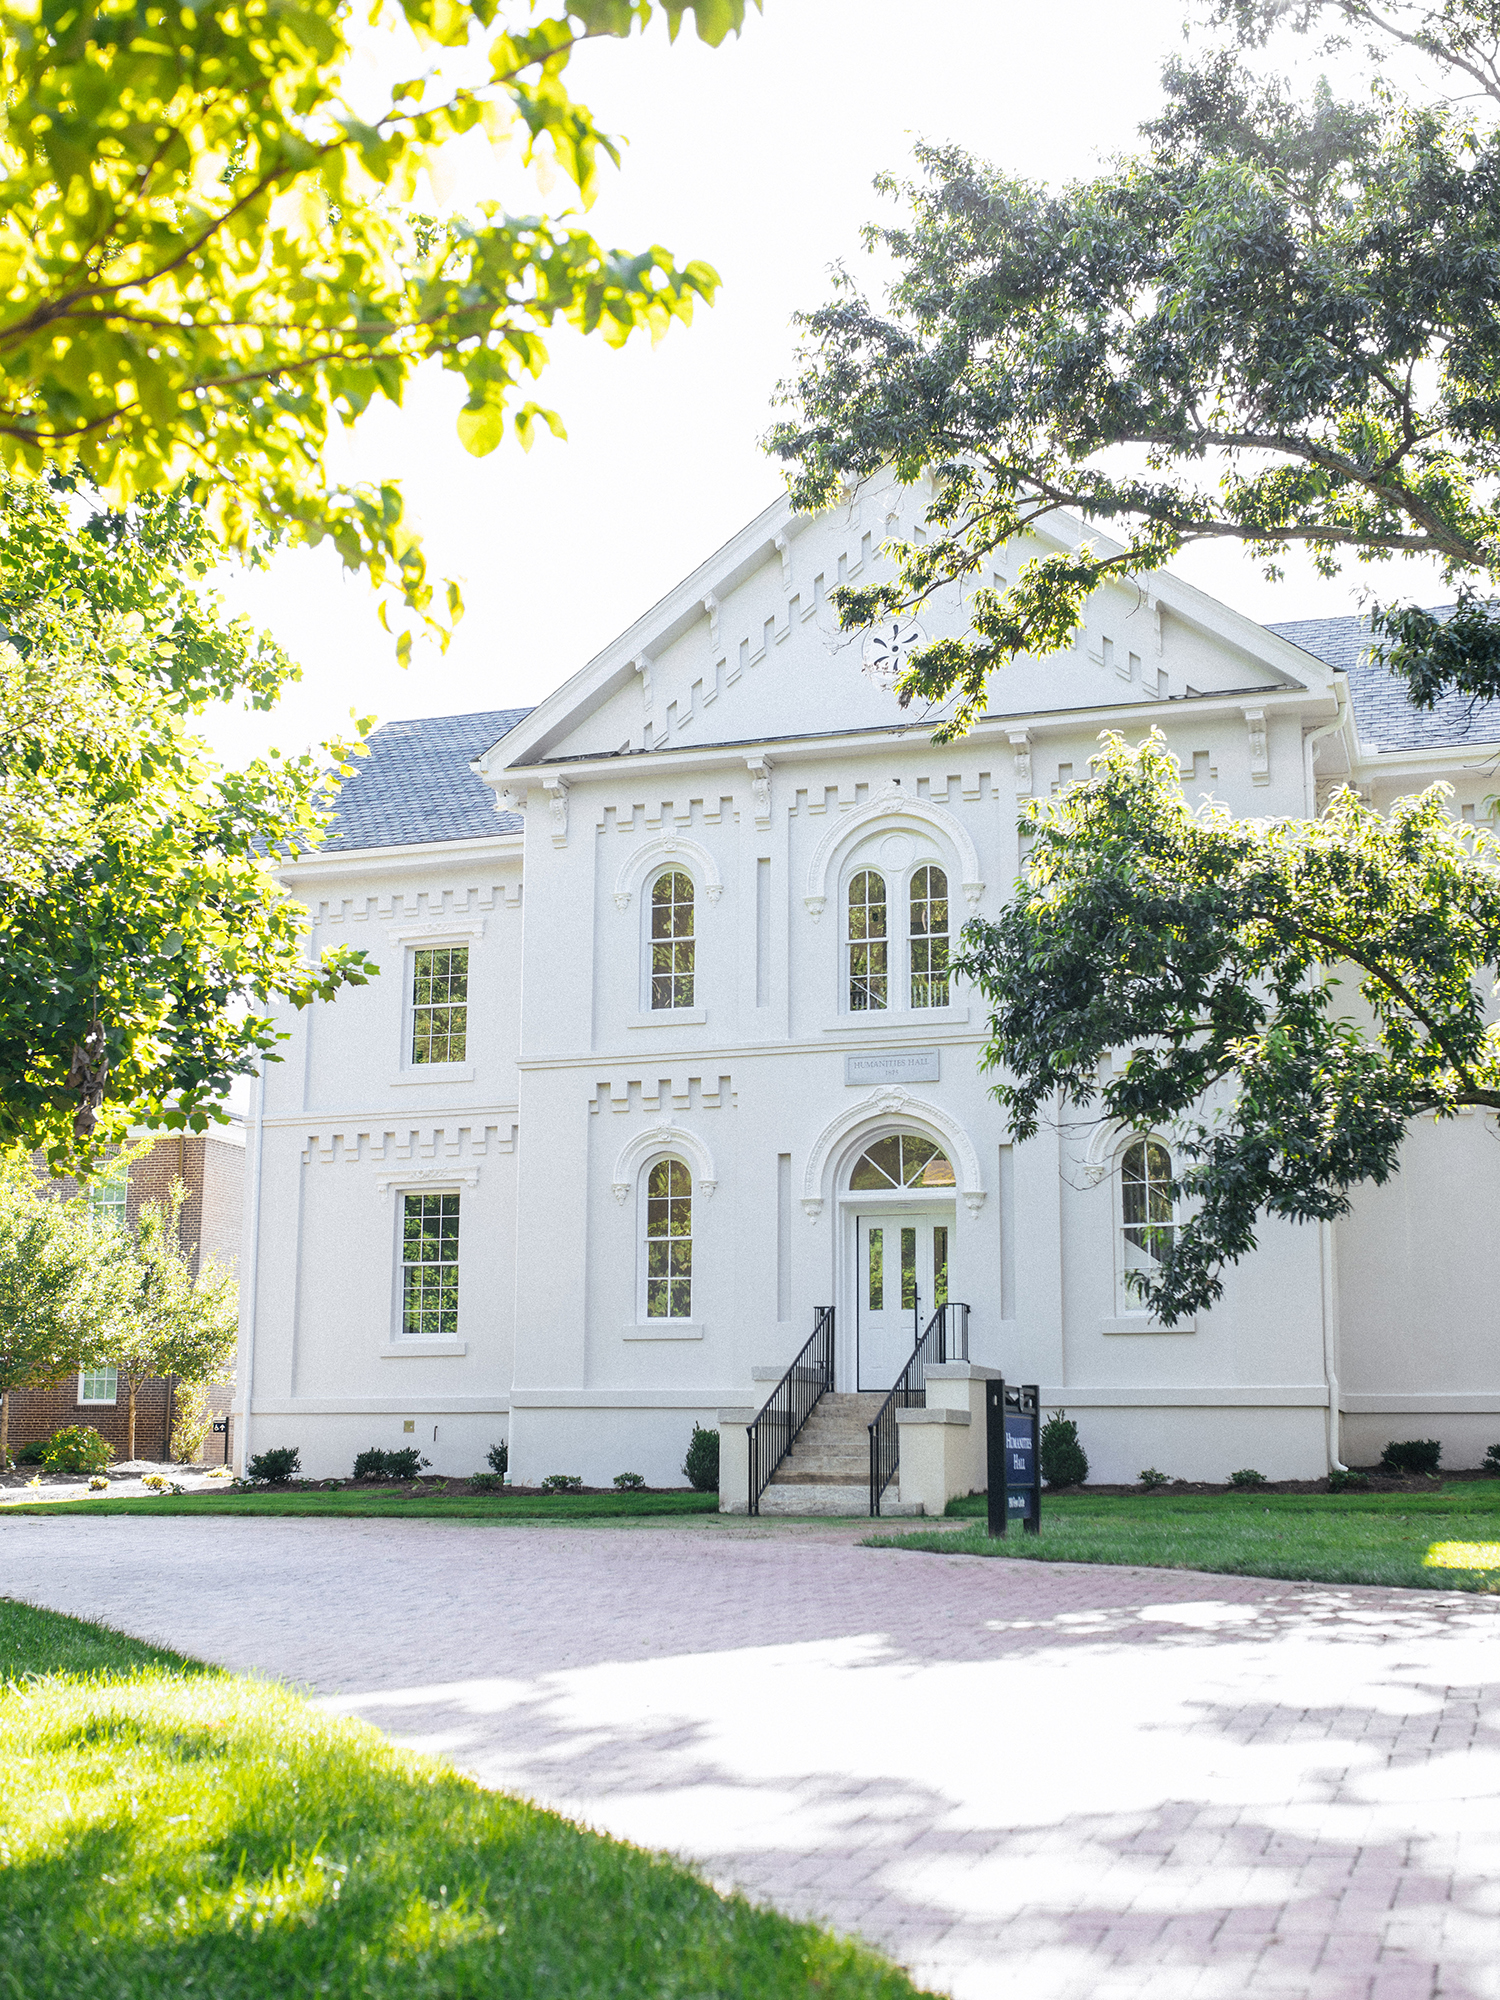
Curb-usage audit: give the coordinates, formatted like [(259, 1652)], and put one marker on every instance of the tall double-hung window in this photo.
[(928, 938), (868, 943), (1147, 1218), (909, 969), (429, 1266), (673, 943), (440, 1005), (669, 1241)]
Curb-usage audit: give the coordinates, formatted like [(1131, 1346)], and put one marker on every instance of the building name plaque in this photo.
[(893, 1066)]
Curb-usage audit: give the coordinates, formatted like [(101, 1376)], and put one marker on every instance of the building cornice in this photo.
[(991, 731), (407, 858)]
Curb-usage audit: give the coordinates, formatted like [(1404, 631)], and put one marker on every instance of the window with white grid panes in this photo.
[(429, 1267), (440, 1004), (98, 1385), (669, 1241), (868, 943), (672, 941), (1147, 1219), (105, 1200), (928, 938)]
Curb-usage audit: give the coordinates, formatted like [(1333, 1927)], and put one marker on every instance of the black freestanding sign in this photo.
[(1012, 1417)]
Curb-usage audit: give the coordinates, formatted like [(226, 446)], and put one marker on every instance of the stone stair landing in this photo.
[(827, 1471)]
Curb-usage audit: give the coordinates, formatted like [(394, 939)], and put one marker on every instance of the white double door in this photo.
[(901, 1278)]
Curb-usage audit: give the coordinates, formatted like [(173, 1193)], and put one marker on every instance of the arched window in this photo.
[(1147, 1223), (669, 1241), (868, 943), (904, 1160), (929, 938), (672, 940)]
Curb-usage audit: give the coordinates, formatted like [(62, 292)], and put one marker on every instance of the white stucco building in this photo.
[(663, 982)]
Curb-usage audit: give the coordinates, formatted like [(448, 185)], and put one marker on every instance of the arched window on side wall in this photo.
[(669, 1241), (672, 941), (868, 943), (929, 938), (1147, 1221)]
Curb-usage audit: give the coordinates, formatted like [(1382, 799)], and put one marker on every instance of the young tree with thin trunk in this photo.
[(55, 1282), (163, 1321)]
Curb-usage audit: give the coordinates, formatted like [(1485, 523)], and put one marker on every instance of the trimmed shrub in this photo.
[(701, 1466), (1247, 1476), (1348, 1482), (1064, 1460), (1412, 1455), (274, 1468), (499, 1457), (78, 1448), (487, 1482), (1492, 1459), (629, 1482), (563, 1482), (33, 1453), (378, 1464), (1152, 1480)]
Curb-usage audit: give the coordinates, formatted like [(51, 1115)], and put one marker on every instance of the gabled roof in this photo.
[(1385, 715), (416, 784)]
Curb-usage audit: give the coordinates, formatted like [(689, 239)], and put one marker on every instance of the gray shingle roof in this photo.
[(416, 784), (1385, 716)]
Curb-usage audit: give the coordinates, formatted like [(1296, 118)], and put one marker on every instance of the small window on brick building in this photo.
[(98, 1385), (106, 1199)]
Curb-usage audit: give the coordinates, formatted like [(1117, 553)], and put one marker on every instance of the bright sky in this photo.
[(758, 157)]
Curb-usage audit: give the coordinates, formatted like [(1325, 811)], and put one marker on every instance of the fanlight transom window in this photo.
[(672, 941), (904, 1160), (908, 969), (1147, 1221), (669, 1241)]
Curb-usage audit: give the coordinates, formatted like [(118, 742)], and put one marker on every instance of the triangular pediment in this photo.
[(748, 648)]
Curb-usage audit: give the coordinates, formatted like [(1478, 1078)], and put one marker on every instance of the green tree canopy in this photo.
[(1282, 998), (210, 257), (1278, 325), (143, 931)]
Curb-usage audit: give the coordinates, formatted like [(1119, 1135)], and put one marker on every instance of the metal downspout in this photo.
[(1327, 1264), (248, 1300)]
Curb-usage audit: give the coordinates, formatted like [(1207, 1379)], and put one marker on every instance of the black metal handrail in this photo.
[(789, 1406), (945, 1339)]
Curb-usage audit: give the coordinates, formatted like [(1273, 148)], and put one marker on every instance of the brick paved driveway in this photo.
[(1021, 1779)]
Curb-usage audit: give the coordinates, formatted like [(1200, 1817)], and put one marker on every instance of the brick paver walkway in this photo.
[(1021, 1779)]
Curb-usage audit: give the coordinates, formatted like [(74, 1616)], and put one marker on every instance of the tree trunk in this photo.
[(130, 1431), (4, 1427)]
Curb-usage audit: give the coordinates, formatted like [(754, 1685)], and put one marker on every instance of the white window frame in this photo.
[(643, 1327), (665, 1016), (400, 1344), (100, 1402), (115, 1175), (898, 883), (433, 937), (1130, 1314)]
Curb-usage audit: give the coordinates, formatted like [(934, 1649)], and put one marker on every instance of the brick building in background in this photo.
[(212, 1170)]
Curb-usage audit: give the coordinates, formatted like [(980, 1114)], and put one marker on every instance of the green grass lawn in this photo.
[(167, 1830), (382, 1502), (1445, 1538)]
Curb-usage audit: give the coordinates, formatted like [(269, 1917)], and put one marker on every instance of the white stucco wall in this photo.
[(736, 738)]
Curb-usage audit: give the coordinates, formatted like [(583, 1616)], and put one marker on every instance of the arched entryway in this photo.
[(900, 1209)]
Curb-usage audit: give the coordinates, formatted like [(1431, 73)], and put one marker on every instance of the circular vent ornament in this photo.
[(888, 650)]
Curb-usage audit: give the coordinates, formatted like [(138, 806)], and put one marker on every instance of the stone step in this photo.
[(841, 1499)]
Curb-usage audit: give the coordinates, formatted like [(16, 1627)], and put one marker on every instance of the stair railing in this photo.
[(789, 1405), (946, 1339)]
